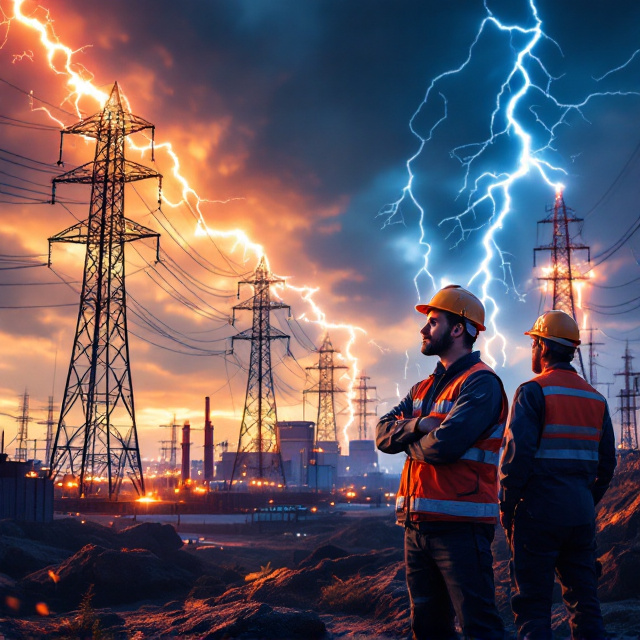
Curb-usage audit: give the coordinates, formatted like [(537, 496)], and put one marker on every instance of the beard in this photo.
[(437, 347)]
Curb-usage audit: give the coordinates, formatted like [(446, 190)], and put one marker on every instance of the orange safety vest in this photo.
[(572, 429), (465, 490)]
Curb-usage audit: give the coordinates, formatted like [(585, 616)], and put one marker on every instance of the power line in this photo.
[(32, 96)]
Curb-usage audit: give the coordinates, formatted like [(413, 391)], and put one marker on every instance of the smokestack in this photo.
[(3, 455), (208, 442), (186, 452)]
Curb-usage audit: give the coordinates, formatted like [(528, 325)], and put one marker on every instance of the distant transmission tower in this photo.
[(169, 449), (23, 429), (99, 380), (563, 273), (49, 422), (361, 400), (258, 455), (628, 407), (326, 428)]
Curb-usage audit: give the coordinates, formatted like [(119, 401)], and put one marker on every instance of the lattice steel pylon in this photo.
[(49, 422), (562, 272), (23, 429), (361, 400), (628, 406), (98, 390), (258, 456), (326, 388)]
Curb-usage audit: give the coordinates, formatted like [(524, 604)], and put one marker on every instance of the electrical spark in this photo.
[(80, 85), (514, 120)]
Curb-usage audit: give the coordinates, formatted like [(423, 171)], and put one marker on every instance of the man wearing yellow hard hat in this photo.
[(450, 426), (558, 460)]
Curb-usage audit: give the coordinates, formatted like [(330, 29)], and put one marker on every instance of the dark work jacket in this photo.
[(551, 489), (451, 473)]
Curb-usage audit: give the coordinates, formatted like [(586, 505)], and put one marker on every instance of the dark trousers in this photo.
[(539, 551), (450, 572)]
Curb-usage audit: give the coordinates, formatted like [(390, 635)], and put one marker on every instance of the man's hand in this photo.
[(427, 424)]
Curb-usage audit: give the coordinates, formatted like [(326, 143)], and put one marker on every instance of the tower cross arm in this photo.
[(249, 334), (92, 125), (82, 174), (134, 171), (77, 233)]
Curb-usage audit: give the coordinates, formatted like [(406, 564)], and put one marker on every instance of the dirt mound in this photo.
[(322, 553), (117, 577), (303, 588), (160, 539), (66, 533), (369, 533)]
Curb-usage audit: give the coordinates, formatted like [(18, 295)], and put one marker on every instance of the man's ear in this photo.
[(544, 349), (457, 330)]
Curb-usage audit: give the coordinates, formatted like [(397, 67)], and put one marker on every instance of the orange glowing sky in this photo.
[(290, 121)]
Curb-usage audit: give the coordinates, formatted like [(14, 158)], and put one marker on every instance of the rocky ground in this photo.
[(342, 578)]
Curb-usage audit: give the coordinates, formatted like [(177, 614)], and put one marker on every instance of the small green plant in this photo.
[(263, 573), (86, 625), (352, 596)]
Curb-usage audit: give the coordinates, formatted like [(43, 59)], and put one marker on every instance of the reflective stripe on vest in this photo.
[(567, 454), (565, 430), (567, 391), (442, 407), (481, 455), (462, 490), (457, 508), (574, 410)]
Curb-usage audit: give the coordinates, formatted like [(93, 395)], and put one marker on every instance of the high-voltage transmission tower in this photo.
[(169, 451), (326, 428), (562, 271), (258, 456), (361, 400), (593, 365), (628, 406), (23, 426), (50, 423), (98, 395)]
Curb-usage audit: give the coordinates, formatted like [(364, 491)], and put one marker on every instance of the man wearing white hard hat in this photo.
[(558, 460), (450, 426)]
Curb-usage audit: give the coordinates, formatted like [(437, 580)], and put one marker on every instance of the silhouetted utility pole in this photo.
[(258, 456), (326, 428), (361, 400), (98, 391), (628, 406), (23, 429), (562, 271)]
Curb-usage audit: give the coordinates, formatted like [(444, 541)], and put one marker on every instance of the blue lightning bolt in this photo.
[(491, 190)]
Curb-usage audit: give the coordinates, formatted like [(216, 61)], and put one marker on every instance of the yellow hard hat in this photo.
[(557, 326), (457, 300)]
